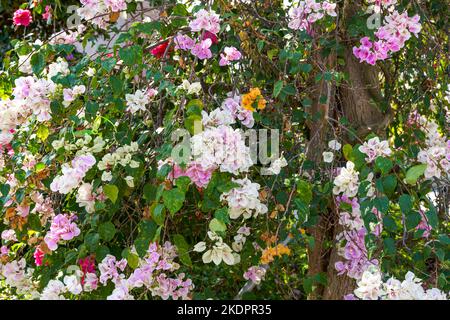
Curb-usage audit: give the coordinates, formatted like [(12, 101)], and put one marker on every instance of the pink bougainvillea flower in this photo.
[(201, 50), (47, 15), (183, 42), (229, 54), (38, 256), (22, 18)]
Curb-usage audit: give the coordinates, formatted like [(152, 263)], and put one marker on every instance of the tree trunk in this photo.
[(358, 100)]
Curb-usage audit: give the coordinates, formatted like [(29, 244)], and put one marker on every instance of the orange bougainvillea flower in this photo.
[(270, 253), (253, 100)]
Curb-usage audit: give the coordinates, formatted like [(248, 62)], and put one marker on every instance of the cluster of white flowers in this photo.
[(122, 156), (59, 67), (328, 156), (16, 275), (72, 284), (190, 88), (137, 101), (244, 200), (375, 148), (372, 287), (347, 182), (86, 197), (436, 155), (219, 252), (81, 145), (277, 165), (221, 147), (240, 238)]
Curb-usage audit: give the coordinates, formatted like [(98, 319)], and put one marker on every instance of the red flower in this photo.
[(22, 18), (212, 36), (159, 51)]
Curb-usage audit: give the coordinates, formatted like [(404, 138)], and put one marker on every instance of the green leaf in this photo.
[(383, 164), (101, 253), (158, 213), (109, 64), (133, 260), (414, 173), (107, 231), (389, 224), (91, 240), (222, 215), (217, 226), (389, 245), (305, 67), (131, 55), (277, 88), (412, 220), (304, 191), (111, 191), (183, 249), (183, 183), (405, 202), (347, 150), (389, 184), (173, 199), (37, 63)]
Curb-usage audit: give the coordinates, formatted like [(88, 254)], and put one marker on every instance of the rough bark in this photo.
[(358, 100)]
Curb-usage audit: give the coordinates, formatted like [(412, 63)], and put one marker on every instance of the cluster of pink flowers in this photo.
[(255, 274), (391, 36), (16, 274), (230, 110), (71, 94), (38, 256), (47, 15), (62, 227), (31, 96), (73, 175), (307, 12), (233, 105), (43, 207), (88, 278), (150, 273), (194, 170), (229, 54), (109, 269), (375, 148), (207, 22), (22, 17), (354, 251)]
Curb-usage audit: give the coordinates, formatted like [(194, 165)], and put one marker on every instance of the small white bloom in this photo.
[(328, 156), (334, 145)]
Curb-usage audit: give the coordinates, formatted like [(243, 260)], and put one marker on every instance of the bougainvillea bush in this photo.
[(225, 149)]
